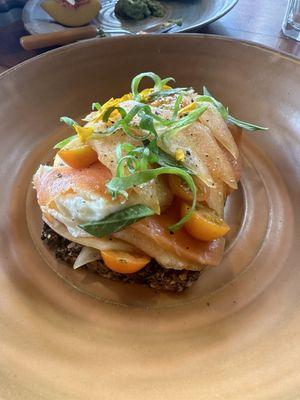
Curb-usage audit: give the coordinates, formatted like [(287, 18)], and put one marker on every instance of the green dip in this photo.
[(139, 9)]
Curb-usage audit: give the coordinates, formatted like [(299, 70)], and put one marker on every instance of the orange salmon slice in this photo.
[(63, 179), (180, 242)]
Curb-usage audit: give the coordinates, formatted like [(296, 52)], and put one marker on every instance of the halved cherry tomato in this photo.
[(80, 156), (181, 190), (124, 263), (204, 223)]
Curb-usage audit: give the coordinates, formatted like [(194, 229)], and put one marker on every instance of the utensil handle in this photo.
[(31, 42)]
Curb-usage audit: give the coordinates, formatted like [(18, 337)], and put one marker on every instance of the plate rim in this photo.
[(231, 4), (228, 336), (199, 36), (228, 8)]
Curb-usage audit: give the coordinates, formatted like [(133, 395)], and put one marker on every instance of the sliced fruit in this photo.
[(236, 132), (72, 16), (81, 156), (181, 190), (124, 263), (204, 223), (213, 120)]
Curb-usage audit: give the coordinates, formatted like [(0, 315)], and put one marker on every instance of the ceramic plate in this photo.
[(194, 14), (235, 334)]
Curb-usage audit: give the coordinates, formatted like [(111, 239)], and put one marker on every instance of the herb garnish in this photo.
[(167, 92), (207, 97), (158, 83), (117, 221), (117, 186), (70, 122), (96, 106), (145, 161), (64, 142)]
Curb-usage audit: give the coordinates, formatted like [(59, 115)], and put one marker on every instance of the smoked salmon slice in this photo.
[(50, 182), (179, 243)]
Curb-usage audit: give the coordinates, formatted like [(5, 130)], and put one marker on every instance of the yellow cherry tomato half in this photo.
[(181, 190), (204, 223), (78, 157), (123, 262)]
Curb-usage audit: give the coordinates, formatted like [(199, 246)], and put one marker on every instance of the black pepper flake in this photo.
[(171, 232), (187, 247), (59, 175), (188, 152), (208, 304)]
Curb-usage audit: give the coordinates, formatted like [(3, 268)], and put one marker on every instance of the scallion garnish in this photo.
[(158, 83), (136, 82), (207, 97), (177, 107), (245, 125), (118, 186), (68, 121), (167, 92), (96, 106), (64, 142), (141, 163), (178, 124)]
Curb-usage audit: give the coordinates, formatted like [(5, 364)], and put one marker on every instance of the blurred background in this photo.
[(254, 20)]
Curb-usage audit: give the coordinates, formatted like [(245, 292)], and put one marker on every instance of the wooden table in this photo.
[(255, 20)]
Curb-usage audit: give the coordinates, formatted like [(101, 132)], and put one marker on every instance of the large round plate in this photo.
[(235, 335), (194, 14)]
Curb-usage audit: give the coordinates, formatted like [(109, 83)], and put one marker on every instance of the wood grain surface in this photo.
[(259, 21)]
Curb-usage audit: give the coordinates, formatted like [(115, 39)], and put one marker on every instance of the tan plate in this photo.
[(236, 333)]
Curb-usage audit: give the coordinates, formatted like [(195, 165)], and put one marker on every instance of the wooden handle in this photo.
[(71, 35)]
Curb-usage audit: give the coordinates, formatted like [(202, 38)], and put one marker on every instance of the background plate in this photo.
[(194, 14), (235, 334)]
